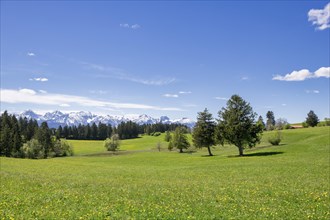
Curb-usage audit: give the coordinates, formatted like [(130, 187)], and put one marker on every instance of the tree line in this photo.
[(26, 139), (101, 131)]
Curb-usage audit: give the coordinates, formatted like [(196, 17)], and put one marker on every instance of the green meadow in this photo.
[(289, 181)]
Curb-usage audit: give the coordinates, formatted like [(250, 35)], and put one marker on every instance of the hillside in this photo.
[(290, 181)]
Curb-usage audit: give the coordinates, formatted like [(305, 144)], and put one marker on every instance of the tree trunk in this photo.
[(181, 151), (240, 149), (209, 149)]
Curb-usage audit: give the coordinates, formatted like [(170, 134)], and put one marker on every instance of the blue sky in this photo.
[(165, 58)]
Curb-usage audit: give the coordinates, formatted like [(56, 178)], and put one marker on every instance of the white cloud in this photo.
[(39, 79), (27, 91), (43, 91), (124, 25), (65, 105), (32, 97), (30, 54), (303, 74), (134, 26), (313, 91), (244, 78), (171, 95), (323, 72), (320, 17), (295, 76), (185, 92), (222, 98), (283, 104)]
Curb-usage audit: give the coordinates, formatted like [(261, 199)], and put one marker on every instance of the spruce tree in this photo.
[(237, 126), (203, 132), (16, 136), (270, 124), (5, 135), (312, 119), (44, 138)]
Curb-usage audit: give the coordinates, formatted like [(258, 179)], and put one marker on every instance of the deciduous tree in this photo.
[(180, 140)]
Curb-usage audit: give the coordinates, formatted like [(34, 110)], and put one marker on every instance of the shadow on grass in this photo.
[(189, 152), (209, 155), (259, 154)]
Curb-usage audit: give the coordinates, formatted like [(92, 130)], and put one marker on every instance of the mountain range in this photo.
[(57, 118)]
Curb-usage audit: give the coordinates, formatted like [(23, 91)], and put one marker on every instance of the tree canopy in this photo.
[(237, 126), (270, 123), (312, 119), (203, 133), (179, 139)]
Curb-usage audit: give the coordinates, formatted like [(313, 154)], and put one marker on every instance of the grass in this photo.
[(289, 181)]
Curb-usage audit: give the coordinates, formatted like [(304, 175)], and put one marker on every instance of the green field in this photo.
[(290, 181)]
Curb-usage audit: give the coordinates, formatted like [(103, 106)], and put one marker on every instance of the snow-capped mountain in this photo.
[(57, 118)]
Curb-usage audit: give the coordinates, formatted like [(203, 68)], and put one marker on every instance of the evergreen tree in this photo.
[(59, 132), (88, 132), (81, 132), (102, 131), (23, 123), (16, 137), (31, 130), (236, 125), (312, 119), (110, 130), (261, 122), (5, 136), (203, 132), (270, 124), (44, 138), (94, 131)]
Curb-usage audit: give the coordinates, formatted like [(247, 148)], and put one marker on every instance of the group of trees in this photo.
[(271, 123), (236, 125), (312, 120), (84, 132), (125, 130), (24, 138)]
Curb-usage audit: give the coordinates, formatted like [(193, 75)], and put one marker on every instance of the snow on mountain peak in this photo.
[(57, 118)]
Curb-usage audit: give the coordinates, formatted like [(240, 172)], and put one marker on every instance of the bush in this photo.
[(287, 126), (61, 149), (327, 121), (276, 139), (156, 134), (305, 125), (113, 143), (33, 149)]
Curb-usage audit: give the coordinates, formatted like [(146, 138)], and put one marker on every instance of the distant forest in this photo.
[(125, 130), (15, 132)]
